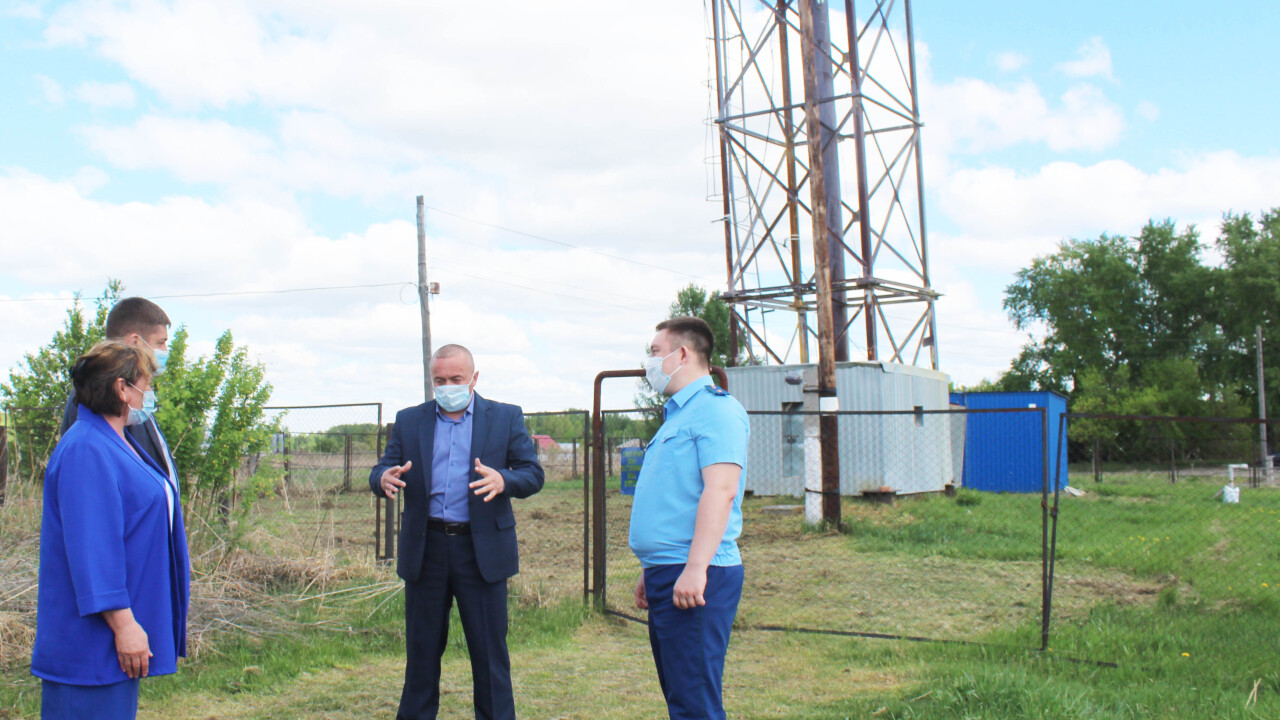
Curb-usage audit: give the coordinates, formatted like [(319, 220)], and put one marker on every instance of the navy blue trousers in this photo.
[(118, 701), (689, 646), (449, 571)]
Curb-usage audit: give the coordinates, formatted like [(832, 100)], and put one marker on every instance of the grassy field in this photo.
[(300, 622)]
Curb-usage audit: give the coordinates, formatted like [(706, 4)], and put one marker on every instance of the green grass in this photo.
[(1186, 620)]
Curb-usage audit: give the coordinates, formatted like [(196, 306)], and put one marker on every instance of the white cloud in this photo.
[(24, 10), (106, 95), (194, 150), (542, 319), (1010, 61), (1093, 59), (1009, 217), (1148, 111), (974, 116), (51, 91), (415, 73), (88, 179)]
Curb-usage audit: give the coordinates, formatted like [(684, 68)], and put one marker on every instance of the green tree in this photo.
[(211, 412), (1108, 303), (37, 393), (210, 409), (1143, 326), (1247, 295)]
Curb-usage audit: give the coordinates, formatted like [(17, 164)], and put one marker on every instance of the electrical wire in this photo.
[(64, 298), (563, 243)]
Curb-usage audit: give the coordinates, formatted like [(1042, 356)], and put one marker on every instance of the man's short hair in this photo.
[(134, 315), (693, 333), (450, 350), (95, 374)]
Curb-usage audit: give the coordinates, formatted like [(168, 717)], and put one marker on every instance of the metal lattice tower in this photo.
[(864, 94)]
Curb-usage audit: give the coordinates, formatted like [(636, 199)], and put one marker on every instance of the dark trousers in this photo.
[(689, 646), (449, 571)]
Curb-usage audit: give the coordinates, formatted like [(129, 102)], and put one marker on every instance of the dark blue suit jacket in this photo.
[(500, 441), (106, 544)]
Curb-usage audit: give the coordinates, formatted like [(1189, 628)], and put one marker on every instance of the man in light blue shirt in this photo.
[(686, 518)]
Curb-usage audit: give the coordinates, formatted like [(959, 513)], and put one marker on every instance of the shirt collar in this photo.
[(680, 399), (468, 411)]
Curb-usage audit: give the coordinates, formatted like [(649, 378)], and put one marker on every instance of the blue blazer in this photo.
[(500, 441), (106, 544), (147, 434)]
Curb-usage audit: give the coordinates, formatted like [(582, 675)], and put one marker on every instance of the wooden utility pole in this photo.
[(827, 401), (1262, 413), (424, 293)]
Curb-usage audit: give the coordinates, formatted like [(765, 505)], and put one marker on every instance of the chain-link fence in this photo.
[(561, 440), (325, 448), (915, 558), (31, 435), (1165, 523)]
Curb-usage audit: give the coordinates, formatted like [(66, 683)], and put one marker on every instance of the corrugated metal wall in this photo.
[(907, 453), (1004, 451)]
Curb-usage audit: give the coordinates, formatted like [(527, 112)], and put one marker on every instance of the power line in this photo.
[(63, 298), (564, 244)]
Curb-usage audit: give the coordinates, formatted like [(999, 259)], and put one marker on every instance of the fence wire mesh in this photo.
[(561, 440), (919, 555), (1164, 522), (32, 433)]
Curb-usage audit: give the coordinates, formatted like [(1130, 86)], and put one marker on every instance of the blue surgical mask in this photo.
[(453, 398), (137, 416), (162, 356), (658, 379)]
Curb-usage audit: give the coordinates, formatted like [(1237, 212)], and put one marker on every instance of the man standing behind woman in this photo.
[(686, 519), (114, 569)]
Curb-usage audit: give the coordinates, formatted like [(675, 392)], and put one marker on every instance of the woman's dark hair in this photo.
[(95, 374)]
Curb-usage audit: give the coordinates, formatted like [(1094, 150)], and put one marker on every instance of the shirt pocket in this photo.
[(673, 445)]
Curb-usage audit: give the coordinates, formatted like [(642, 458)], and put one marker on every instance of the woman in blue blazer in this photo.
[(114, 570)]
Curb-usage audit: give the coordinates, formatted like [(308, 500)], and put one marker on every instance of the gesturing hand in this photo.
[(391, 482), (490, 483)]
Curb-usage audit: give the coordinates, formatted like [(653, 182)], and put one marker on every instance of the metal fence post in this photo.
[(389, 522), (1044, 529), (288, 478), (4, 462), (346, 463)]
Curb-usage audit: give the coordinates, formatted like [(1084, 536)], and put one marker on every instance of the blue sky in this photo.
[(196, 147)]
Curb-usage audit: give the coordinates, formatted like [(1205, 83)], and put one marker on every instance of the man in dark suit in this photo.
[(459, 460), (141, 323)]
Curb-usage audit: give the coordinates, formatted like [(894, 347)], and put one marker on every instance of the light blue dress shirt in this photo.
[(703, 426), (451, 466)]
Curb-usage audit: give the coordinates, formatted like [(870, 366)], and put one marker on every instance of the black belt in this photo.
[(449, 528)]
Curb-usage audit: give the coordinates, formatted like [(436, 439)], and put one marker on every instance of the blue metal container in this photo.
[(1004, 451)]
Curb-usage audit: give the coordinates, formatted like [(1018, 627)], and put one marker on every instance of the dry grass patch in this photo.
[(604, 673)]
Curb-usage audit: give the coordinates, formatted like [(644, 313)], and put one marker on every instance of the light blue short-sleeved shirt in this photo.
[(704, 425)]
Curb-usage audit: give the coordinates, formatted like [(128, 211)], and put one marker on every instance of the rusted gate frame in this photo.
[(595, 514)]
